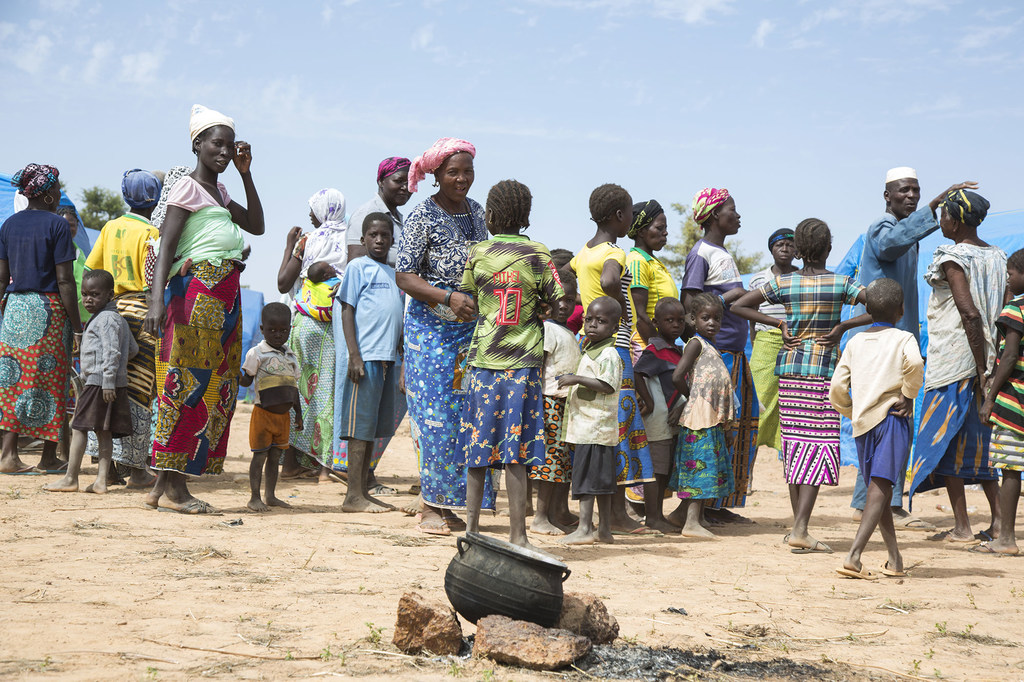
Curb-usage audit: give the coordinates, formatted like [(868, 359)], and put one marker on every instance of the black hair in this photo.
[(508, 204), (569, 285), (275, 311), (701, 301), (665, 302), (1016, 260), (606, 200), (560, 257), (66, 211), (614, 307), (320, 271), (199, 139), (375, 217), (105, 279), (813, 240), (884, 298)]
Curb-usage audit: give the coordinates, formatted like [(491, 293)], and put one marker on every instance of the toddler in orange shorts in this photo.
[(275, 371)]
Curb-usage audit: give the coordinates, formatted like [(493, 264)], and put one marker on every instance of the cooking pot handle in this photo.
[(459, 542), (567, 574)]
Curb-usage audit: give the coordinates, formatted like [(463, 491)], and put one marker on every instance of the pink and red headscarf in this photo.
[(391, 165), (706, 201), (432, 159)]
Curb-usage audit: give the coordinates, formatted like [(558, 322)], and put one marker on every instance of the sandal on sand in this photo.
[(62, 469), (433, 527), (26, 471), (454, 523), (984, 536), (984, 548), (819, 547), (886, 571), (380, 489), (913, 523), (947, 536), (193, 507), (864, 574), (305, 473), (338, 476)]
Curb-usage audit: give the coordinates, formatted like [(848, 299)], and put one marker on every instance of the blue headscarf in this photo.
[(141, 189)]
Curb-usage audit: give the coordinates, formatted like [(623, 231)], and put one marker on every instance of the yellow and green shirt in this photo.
[(649, 273)]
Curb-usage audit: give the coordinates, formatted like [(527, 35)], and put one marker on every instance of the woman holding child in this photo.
[(195, 308), (968, 278), (318, 258), (40, 308), (439, 325)]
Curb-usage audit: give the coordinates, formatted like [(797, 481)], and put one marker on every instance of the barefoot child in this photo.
[(592, 425), (662, 403), (561, 356), (703, 464), (1004, 409), (874, 385), (503, 419), (275, 371), (371, 317), (102, 407)]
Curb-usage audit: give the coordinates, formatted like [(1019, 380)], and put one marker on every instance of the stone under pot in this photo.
[(491, 576)]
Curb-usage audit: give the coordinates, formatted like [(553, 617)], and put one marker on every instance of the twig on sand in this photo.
[(759, 602), (893, 608), (326, 673), (316, 546), (834, 637), (290, 657), (90, 508), (582, 672), (386, 653), (124, 654), (155, 596)]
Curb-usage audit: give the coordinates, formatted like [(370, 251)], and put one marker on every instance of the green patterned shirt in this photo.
[(510, 277)]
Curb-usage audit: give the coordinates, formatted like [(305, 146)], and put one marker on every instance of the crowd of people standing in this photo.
[(451, 315)]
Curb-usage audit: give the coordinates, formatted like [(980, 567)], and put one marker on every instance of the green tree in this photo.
[(99, 205), (674, 253)]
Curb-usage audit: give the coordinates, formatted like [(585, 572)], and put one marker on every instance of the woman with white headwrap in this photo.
[(195, 307), (318, 258)]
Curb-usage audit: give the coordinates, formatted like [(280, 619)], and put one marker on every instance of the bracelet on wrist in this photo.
[(448, 298)]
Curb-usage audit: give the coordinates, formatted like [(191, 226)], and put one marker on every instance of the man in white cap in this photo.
[(890, 250)]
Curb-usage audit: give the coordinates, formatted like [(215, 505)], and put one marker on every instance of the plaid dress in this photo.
[(810, 425)]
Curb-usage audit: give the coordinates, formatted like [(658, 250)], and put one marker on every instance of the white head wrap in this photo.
[(203, 118), (900, 173), (327, 242)]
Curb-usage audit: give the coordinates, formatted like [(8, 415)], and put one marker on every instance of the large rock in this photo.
[(426, 625), (517, 642), (585, 614)]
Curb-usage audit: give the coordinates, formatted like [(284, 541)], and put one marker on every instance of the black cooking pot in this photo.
[(490, 576)]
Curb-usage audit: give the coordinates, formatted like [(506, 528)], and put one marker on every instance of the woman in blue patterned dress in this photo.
[(439, 325)]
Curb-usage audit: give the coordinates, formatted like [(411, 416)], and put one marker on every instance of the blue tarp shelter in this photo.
[(85, 237)]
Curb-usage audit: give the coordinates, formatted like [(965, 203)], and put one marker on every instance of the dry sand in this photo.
[(102, 588)]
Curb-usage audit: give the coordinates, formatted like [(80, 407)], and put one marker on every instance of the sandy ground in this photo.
[(101, 588)]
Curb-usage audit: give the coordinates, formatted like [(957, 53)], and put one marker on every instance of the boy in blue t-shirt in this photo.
[(371, 317)]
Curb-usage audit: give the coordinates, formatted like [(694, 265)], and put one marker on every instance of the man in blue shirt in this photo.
[(890, 250)]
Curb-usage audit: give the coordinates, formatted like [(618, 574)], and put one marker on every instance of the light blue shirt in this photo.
[(890, 250), (369, 287)]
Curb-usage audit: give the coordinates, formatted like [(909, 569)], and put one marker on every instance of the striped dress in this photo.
[(810, 425), (1007, 449)]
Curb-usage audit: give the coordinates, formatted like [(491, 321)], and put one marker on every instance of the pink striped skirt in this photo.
[(810, 431)]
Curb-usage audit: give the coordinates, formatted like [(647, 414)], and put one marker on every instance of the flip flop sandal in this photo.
[(454, 523), (914, 523), (947, 536), (818, 548), (437, 527), (984, 536), (27, 471), (337, 477), (888, 572), (194, 507), (864, 574), (62, 469), (382, 490), (984, 548)]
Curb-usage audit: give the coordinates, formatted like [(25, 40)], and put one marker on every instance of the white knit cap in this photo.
[(900, 173), (203, 118)]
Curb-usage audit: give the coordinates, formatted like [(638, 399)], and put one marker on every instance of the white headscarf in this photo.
[(327, 242), (203, 118)]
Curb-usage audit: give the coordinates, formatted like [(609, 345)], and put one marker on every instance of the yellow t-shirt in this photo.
[(121, 251), (588, 264), (649, 273)]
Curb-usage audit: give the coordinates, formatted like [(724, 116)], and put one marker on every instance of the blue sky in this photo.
[(798, 108)]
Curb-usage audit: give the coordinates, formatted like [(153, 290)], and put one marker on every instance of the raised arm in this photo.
[(249, 219), (290, 265)]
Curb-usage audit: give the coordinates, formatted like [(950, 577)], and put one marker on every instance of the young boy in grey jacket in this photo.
[(102, 405)]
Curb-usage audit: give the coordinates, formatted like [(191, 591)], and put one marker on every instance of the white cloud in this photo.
[(98, 56), (327, 13), (763, 29), (140, 68), (983, 37), (61, 6), (688, 11), (423, 37), (32, 56)]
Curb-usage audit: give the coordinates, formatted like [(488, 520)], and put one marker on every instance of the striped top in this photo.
[(813, 307), (1009, 404)]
